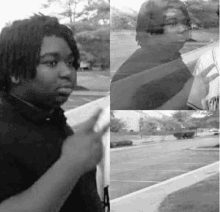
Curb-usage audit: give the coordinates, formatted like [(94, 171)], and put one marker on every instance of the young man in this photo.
[(44, 166), (162, 30)]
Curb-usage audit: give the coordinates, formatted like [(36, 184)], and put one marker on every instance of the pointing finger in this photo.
[(89, 126), (104, 129)]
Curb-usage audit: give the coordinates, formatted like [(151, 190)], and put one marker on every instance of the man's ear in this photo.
[(15, 80)]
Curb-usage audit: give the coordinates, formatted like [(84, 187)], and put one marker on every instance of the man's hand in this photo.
[(198, 86), (85, 146)]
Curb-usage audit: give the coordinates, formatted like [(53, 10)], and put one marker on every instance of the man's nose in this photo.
[(65, 70)]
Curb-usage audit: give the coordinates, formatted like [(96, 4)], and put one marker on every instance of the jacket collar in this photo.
[(34, 113)]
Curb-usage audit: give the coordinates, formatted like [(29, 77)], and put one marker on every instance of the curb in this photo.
[(150, 198)]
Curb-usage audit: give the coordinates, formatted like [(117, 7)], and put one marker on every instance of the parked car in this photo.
[(85, 66)]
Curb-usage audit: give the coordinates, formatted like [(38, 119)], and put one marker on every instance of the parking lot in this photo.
[(94, 85), (136, 168)]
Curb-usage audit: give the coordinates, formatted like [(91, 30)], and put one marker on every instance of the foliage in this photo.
[(97, 43), (121, 143), (178, 121), (198, 119), (97, 12), (122, 20), (180, 135), (69, 8), (202, 13), (116, 125)]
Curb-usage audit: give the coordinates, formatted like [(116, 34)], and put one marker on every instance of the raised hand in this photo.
[(85, 146), (199, 85)]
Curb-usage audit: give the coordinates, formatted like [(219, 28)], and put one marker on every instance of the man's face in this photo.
[(175, 31), (55, 75)]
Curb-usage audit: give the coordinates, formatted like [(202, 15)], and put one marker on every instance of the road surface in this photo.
[(135, 168)]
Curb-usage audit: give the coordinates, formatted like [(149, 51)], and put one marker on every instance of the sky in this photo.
[(11, 10), (125, 4)]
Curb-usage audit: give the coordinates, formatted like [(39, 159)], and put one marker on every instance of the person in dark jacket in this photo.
[(45, 166), (162, 30)]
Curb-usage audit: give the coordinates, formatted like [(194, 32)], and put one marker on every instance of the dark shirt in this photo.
[(155, 93), (30, 143)]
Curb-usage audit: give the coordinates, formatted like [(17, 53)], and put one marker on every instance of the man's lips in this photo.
[(65, 90)]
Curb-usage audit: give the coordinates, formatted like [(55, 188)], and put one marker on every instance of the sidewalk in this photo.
[(149, 199)]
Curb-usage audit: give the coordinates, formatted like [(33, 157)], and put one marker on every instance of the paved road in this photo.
[(136, 168)]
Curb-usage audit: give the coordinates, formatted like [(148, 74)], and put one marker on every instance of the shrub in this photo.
[(182, 135), (96, 43), (120, 143)]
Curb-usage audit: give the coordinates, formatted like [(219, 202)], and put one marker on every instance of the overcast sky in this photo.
[(11, 10), (124, 4)]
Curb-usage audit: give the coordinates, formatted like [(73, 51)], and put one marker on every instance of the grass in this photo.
[(201, 197)]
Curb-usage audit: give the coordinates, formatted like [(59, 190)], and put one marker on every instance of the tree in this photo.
[(122, 20), (69, 8), (116, 124), (150, 126), (182, 117), (141, 125), (97, 12)]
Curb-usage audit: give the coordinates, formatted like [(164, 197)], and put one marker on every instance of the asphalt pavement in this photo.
[(136, 168)]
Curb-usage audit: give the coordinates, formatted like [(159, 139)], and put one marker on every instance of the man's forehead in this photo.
[(54, 45), (173, 12)]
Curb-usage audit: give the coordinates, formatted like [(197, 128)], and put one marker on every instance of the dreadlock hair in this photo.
[(151, 18), (20, 46)]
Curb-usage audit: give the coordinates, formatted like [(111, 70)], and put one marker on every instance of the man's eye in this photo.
[(51, 63), (172, 24), (70, 63)]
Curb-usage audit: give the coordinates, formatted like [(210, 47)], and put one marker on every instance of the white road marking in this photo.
[(173, 170), (136, 181)]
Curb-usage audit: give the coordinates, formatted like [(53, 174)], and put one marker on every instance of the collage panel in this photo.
[(54, 108), (162, 53), (164, 101), (164, 160)]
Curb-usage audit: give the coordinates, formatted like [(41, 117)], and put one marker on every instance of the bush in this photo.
[(182, 135), (97, 44), (120, 143)]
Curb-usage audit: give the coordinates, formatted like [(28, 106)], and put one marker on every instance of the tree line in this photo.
[(202, 13), (168, 124)]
